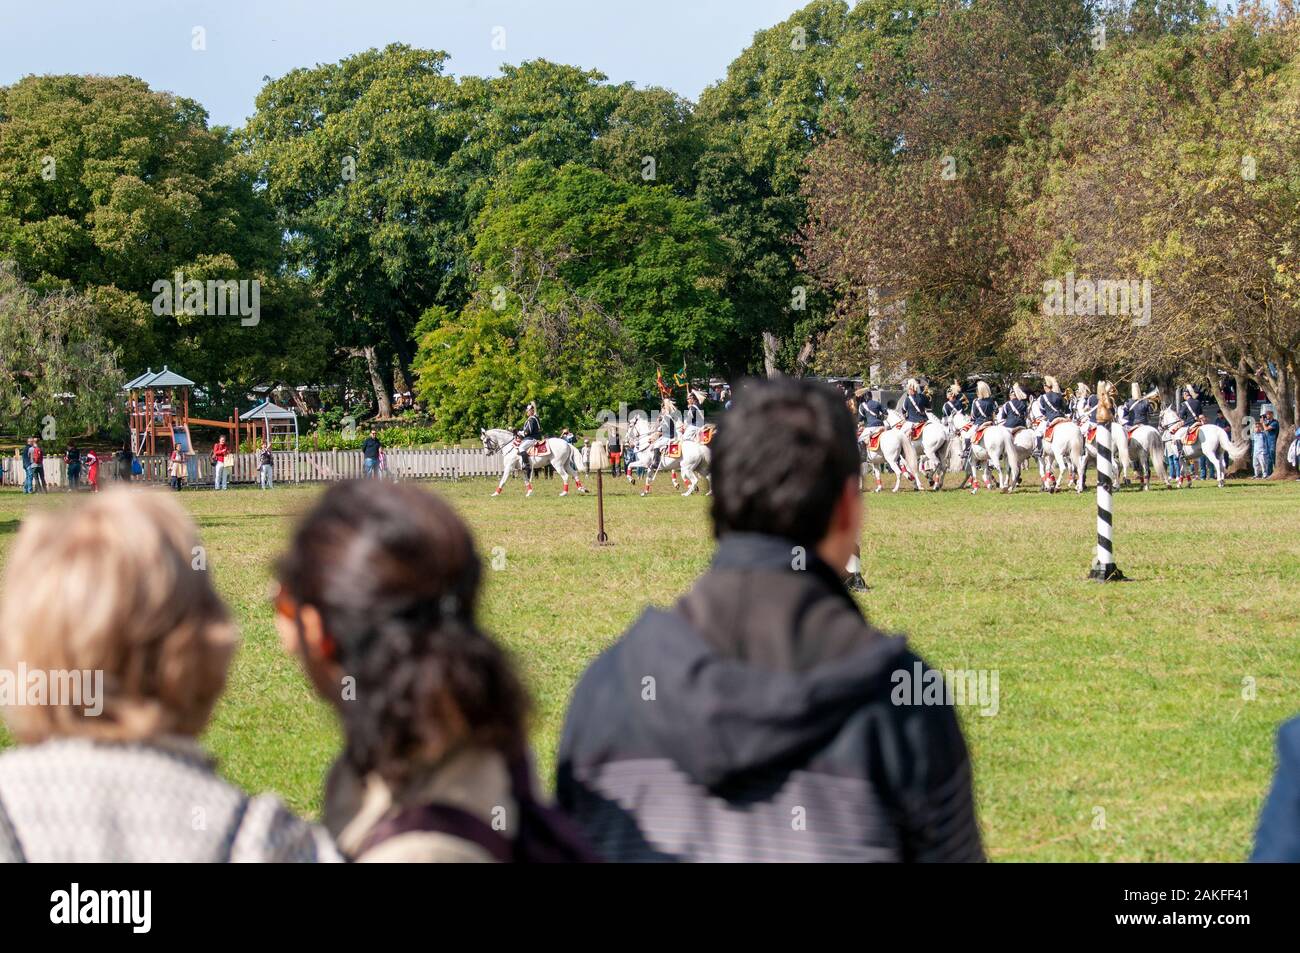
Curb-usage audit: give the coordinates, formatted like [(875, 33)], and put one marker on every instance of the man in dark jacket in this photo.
[(759, 719)]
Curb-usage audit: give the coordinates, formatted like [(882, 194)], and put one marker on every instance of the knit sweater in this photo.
[(73, 800)]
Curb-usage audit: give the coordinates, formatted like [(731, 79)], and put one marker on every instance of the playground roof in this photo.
[(268, 411), (163, 378)]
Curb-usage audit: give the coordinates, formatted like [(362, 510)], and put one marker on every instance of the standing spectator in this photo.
[(114, 772), (220, 465), (92, 470), (38, 467), (72, 460), (265, 467), (615, 448), (176, 468), (1173, 458), (379, 590), (771, 691), (1272, 429), (126, 463), (370, 455), (1258, 450), (27, 466)]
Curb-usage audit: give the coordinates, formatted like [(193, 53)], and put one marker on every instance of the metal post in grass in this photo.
[(598, 456), (1103, 567)]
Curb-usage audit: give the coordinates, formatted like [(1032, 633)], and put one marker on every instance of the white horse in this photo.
[(979, 454), (1016, 448), (891, 451), (1139, 452), (560, 454), (1066, 448), (693, 462), (1212, 442), (933, 442)]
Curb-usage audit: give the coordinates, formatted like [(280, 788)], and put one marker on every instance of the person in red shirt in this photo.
[(92, 470), (220, 469)]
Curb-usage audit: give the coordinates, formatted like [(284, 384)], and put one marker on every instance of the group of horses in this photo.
[(930, 449), (688, 456), (938, 447)]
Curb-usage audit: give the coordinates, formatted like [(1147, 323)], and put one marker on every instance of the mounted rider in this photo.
[(871, 416), (1136, 411), (983, 410), (1051, 407), (1015, 412), (530, 433), (666, 429), (916, 404), (955, 402), (1191, 410), (693, 421)]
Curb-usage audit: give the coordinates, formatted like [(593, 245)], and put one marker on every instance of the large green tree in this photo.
[(589, 282), (793, 85), (58, 375), (107, 187)]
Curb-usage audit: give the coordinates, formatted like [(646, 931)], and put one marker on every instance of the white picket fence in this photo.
[(289, 466)]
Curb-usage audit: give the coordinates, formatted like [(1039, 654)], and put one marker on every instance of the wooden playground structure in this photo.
[(158, 413)]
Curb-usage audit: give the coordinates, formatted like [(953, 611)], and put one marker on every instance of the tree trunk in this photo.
[(1236, 414), (771, 344), (1283, 396), (383, 402)]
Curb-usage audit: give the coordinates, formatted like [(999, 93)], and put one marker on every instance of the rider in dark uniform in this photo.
[(1016, 410), (915, 403), (1137, 412), (983, 410), (956, 401), (871, 416), (529, 434)]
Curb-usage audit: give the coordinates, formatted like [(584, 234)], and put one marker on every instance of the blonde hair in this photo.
[(116, 586), (1050, 384), (982, 390), (1082, 390)]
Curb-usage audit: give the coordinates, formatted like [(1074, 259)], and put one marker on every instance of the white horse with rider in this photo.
[(929, 437), (664, 446), (889, 447), (1208, 440), (551, 451), (1015, 445), (1063, 442), (1139, 447)]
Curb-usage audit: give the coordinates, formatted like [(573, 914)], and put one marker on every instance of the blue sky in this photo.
[(681, 44)]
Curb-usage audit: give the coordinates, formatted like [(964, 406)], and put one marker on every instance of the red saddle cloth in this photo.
[(1190, 435), (536, 449), (1092, 433), (874, 442), (915, 429), (674, 449), (979, 432), (1129, 431), (706, 435)]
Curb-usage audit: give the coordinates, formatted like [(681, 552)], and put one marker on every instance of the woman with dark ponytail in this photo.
[(377, 598)]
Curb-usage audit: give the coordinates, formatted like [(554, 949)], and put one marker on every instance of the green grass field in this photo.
[(1124, 730)]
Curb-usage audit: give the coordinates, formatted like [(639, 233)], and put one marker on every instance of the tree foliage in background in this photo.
[(795, 83), (107, 187), (54, 362), (591, 282)]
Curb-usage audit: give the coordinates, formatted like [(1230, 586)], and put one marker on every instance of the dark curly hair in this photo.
[(393, 572)]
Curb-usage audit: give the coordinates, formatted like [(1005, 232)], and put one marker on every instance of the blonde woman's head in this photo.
[(120, 586)]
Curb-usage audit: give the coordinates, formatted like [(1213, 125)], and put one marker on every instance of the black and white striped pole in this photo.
[(1103, 567)]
